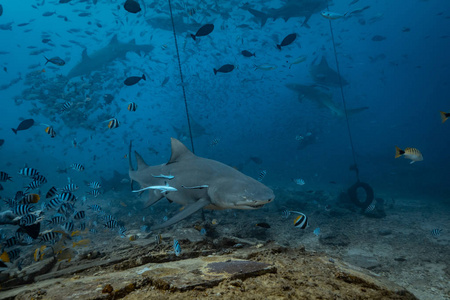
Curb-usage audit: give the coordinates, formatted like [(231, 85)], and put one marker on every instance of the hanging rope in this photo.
[(181, 77), (344, 103)]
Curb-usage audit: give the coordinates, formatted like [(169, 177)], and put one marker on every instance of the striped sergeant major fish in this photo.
[(111, 224), (67, 197), (65, 106), (262, 174), (176, 247), (23, 209), (77, 167), (13, 254), (40, 178), (51, 193), (94, 193), (82, 226), (108, 218), (28, 219), (10, 202), (49, 236), (12, 241), (5, 177), (66, 208), (96, 208), (56, 219), (33, 185), (53, 203), (70, 187), (370, 208), (28, 172), (94, 185), (79, 215), (69, 226)]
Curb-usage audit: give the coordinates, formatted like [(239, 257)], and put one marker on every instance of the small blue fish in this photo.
[(165, 218), (176, 247), (203, 231), (144, 228), (317, 231)]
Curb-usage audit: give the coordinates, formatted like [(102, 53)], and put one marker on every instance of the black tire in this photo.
[(352, 193)]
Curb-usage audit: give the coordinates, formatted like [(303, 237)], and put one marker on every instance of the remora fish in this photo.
[(226, 187), (105, 56)]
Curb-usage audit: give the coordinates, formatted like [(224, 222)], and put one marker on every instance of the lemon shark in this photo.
[(198, 183), (323, 99), (105, 56)]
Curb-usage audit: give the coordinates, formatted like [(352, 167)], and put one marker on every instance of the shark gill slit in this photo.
[(181, 77), (343, 99)]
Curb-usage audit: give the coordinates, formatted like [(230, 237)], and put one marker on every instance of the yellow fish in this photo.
[(81, 242), (410, 153), (39, 253), (4, 257), (65, 254), (444, 116)]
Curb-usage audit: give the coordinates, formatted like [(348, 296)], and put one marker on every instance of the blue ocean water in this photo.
[(269, 113)]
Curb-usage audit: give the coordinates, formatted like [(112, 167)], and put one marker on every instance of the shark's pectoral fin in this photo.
[(154, 196), (186, 212)]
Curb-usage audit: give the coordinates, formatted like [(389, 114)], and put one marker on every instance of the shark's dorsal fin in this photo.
[(140, 161), (84, 55), (179, 151)]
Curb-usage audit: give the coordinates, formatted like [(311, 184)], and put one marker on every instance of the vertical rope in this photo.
[(181, 77), (343, 101)]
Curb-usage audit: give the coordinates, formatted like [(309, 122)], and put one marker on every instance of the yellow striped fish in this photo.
[(410, 153)]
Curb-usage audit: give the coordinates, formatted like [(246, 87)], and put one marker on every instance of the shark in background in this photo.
[(105, 56), (322, 74), (324, 99), (290, 9)]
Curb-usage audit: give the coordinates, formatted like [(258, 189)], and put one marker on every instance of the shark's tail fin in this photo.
[(129, 163)]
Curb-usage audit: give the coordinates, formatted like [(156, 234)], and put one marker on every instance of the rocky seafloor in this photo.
[(388, 255)]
